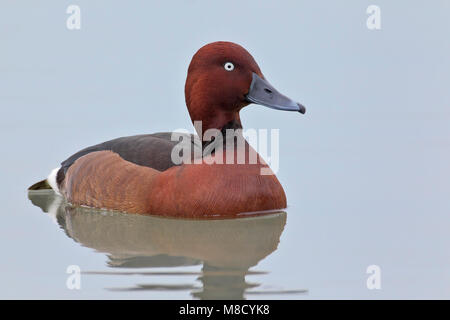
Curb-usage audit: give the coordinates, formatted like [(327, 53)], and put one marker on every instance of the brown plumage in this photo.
[(137, 175), (104, 180)]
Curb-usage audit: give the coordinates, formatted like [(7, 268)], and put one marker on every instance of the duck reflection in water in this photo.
[(226, 248)]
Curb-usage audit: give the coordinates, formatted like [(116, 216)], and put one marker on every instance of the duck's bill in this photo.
[(263, 93)]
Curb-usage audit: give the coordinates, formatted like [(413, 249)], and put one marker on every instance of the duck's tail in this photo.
[(49, 183), (41, 185)]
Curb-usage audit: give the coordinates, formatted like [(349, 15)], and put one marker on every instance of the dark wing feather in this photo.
[(149, 150)]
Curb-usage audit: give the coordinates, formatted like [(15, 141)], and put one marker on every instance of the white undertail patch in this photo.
[(51, 179)]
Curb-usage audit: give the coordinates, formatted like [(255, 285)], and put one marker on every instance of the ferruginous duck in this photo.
[(138, 174)]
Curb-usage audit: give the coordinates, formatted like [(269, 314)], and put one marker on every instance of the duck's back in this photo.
[(148, 150)]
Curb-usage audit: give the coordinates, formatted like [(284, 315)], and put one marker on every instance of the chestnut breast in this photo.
[(104, 180)]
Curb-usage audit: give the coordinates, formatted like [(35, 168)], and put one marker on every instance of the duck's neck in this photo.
[(234, 124), (218, 120), (213, 118)]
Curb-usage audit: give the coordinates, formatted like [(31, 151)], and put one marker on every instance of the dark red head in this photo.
[(222, 79)]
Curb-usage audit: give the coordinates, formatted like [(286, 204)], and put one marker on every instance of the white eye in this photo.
[(228, 66)]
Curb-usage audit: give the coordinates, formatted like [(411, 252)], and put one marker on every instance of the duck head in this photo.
[(222, 79)]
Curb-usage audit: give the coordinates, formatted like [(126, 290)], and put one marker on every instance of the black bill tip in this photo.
[(301, 108)]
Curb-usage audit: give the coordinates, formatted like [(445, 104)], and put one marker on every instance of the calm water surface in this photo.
[(208, 259)]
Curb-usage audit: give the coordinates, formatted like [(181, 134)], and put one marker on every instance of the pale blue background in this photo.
[(366, 170)]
